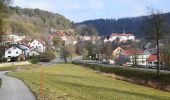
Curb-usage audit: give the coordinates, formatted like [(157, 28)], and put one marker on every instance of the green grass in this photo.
[(24, 67), (145, 77), (73, 82)]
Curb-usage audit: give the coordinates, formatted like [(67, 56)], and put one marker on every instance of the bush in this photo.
[(34, 60), (47, 56)]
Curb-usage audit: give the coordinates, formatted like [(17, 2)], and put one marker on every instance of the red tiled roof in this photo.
[(41, 41), (127, 52), (152, 58), (60, 33)]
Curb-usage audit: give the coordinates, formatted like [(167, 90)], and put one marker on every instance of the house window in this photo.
[(155, 62), (149, 62), (9, 52)]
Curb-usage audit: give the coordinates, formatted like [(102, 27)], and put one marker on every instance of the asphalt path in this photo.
[(14, 89)]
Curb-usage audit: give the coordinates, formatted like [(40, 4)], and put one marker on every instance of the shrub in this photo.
[(47, 56), (34, 60)]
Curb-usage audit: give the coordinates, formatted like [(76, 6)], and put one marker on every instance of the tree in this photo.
[(107, 49), (86, 30), (68, 51), (165, 54), (57, 42), (135, 47), (155, 28), (3, 7), (81, 49), (48, 55)]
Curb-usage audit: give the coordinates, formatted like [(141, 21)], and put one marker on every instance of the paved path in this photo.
[(14, 89)]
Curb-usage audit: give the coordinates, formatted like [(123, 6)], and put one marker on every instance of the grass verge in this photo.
[(22, 67), (147, 78), (74, 82)]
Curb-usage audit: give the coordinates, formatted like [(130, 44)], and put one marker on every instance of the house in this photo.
[(38, 46), (151, 51), (137, 56), (84, 38), (71, 40), (16, 51), (117, 51), (16, 38), (120, 37), (152, 61)]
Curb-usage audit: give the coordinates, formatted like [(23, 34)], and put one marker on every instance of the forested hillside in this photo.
[(34, 21), (133, 25)]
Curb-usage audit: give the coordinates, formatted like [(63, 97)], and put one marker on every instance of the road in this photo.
[(14, 89), (59, 59)]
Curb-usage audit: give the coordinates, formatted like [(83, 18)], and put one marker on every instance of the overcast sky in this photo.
[(80, 10)]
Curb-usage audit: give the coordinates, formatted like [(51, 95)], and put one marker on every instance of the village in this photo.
[(84, 50), (124, 49)]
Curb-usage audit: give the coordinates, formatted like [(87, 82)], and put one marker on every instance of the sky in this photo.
[(81, 10)]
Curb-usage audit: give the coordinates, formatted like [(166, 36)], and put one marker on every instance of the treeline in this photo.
[(133, 25)]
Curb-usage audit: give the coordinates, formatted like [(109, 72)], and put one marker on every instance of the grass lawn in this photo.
[(73, 82), (7, 68)]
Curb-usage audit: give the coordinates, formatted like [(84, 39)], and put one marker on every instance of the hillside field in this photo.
[(74, 82)]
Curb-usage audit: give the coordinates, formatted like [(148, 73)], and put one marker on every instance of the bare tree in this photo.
[(107, 49), (155, 28), (68, 51)]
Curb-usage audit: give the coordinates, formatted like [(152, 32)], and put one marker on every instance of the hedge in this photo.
[(134, 74)]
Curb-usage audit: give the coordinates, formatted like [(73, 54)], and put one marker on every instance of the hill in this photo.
[(129, 25), (34, 21)]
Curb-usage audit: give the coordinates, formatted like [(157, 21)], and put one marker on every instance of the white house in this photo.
[(71, 40), (38, 46), (16, 51), (84, 38), (122, 37), (141, 59), (136, 55)]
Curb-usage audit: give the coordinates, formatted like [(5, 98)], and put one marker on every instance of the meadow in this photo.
[(74, 82)]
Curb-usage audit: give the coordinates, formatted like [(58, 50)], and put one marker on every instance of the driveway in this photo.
[(14, 89)]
